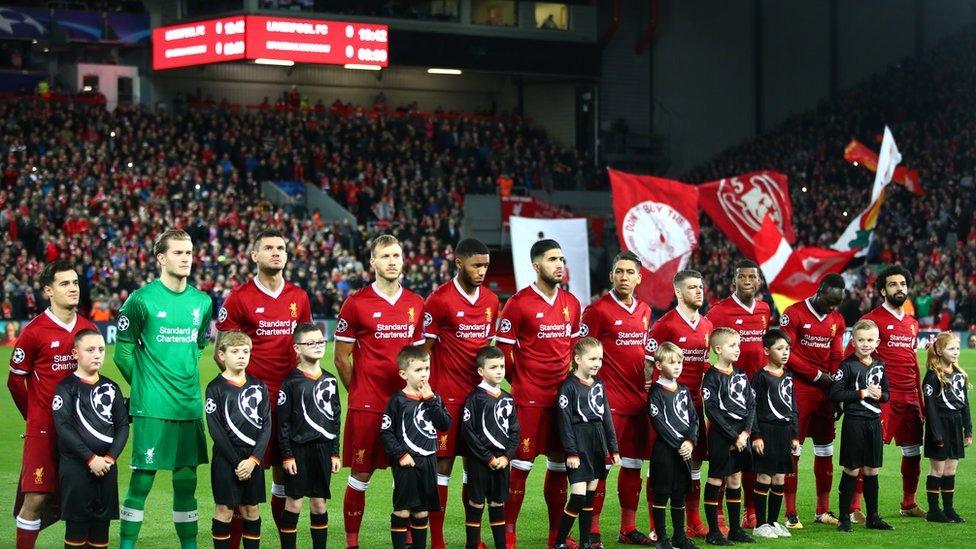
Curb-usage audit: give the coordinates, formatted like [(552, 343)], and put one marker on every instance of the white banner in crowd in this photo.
[(571, 234)]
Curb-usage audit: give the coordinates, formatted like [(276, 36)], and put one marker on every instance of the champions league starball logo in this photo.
[(506, 326), (737, 389), (323, 393), (282, 397), (658, 234), (57, 403), (563, 401), (123, 323), (428, 320), (248, 401), (222, 314), (423, 424), (18, 356), (928, 390), (839, 375), (786, 392), (102, 399), (959, 387), (211, 406), (706, 394), (654, 410), (584, 329), (504, 409), (467, 415), (342, 325), (596, 400), (386, 422), (651, 345), (681, 406), (874, 376)]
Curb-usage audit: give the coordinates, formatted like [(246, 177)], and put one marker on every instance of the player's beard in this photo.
[(896, 300), (550, 279)]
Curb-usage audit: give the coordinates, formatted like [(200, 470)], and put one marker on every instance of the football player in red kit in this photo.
[(745, 313), (459, 321), (536, 331), (267, 308), (902, 415), (816, 331), (42, 357), (688, 329), (374, 325), (619, 321)]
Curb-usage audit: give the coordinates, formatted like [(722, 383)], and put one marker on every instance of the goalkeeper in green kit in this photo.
[(162, 330)]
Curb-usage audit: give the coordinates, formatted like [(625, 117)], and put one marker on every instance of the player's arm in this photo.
[(222, 443), (885, 389), (17, 384), (228, 320), (967, 421), (66, 429), (759, 388), (931, 388), (120, 417), (132, 318), (655, 403), (508, 326), (794, 416), (21, 365), (711, 386), (693, 420), (750, 409), (565, 420), (203, 335), (284, 423), (841, 390), (433, 318), (337, 406), (264, 437), (471, 430), (391, 444), (343, 361), (800, 368)]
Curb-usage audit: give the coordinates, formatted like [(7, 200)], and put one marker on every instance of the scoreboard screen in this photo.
[(269, 37)]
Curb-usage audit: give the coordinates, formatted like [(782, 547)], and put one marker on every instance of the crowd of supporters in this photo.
[(927, 102), (81, 182)]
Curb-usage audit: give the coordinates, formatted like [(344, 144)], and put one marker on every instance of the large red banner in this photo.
[(738, 205), (657, 219), (269, 37), (528, 206)]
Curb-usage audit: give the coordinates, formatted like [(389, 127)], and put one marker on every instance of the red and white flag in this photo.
[(657, 219), (794, 274), (738, 205), (860, 155)]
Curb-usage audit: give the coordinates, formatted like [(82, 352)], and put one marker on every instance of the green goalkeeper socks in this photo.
[(134, 505), (185, 506)]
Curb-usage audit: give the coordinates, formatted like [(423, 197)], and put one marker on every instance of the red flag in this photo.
[(738, 205), (794, 274), (657, 219), (857, 153), (529, 206)]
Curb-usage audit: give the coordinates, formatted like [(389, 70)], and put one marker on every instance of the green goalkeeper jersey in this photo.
[(166, 332)]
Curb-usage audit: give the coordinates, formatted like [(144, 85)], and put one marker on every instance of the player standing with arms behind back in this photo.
[(267, 309), (685, 327), (749, 316), (163, 329), (374, 325), (43, 357), (619, 321), (816, 331), (537, 330), (459, 320), (901, 416)]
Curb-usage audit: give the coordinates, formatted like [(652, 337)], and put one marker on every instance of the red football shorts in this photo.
[(816, 415), (362, 449), (635, 436), (538, 431), (39, 472), (901, 421), (450, 443)]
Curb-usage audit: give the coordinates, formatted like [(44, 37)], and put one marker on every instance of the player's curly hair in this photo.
[(936, 360), (583, 345)]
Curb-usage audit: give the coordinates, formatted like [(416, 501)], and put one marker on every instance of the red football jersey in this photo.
[(269, 319), (691, 338), (43, 354), (897, 349), (379, 326), (621, 329), (750, 322), (461, 325), (543, 332), (816, 343)]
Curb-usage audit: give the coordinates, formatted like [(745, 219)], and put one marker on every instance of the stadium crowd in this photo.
[(82, 182), (927, 102)]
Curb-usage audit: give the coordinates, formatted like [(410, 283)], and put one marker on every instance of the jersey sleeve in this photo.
[(750, 419), (418, 325), (693, 420), (759, 387), (222, 443), (967, 420), (284, 422), (470, 423), (132, 319), (654, 337), (565, 418), (515, 430), (120, 417), (577, 322), (439, 416), (433, 316), (24, 355), (608, 430), (841, 390), (391, 443), (655, 404), (305, 311), (591, 325), (64, 405), (229, 315), (347, 324), (931, 389), (493, 326), (508, 323), (203, 335), (837, 347)]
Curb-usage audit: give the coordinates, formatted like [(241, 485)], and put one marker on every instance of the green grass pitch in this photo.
[(158, 532)]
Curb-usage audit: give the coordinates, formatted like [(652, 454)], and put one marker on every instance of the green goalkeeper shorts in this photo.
[(167, 444)]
